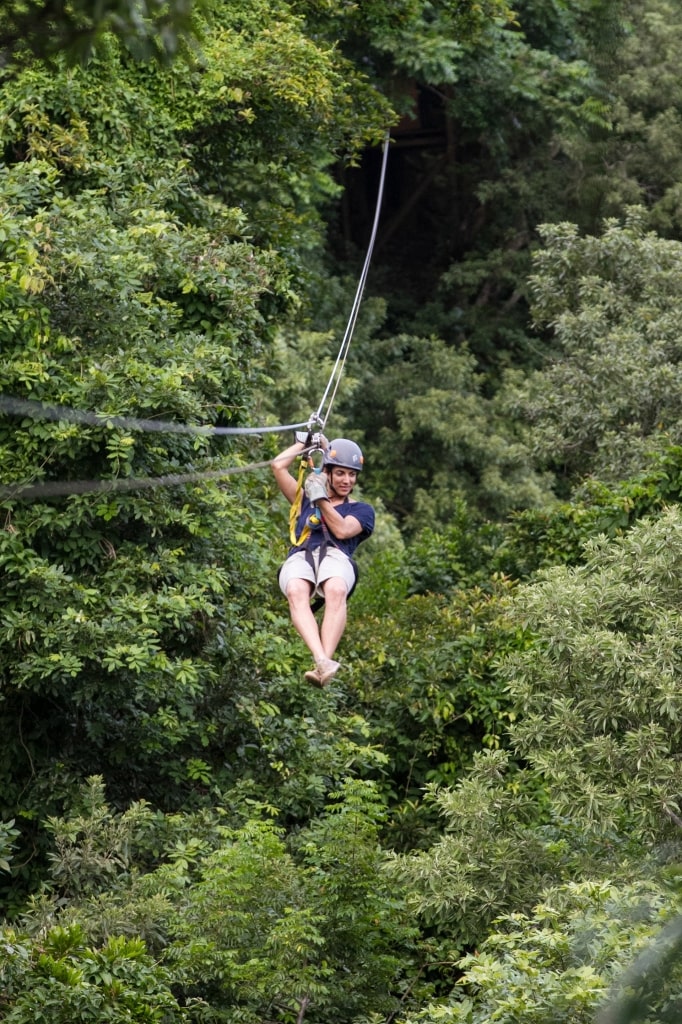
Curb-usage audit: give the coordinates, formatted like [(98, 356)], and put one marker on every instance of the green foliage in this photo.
[(651, 981), (502, 845), (538, 538), (45, 28), (61, 979), (247, 921), (635, 161), (413, 37), (256, 118), (120, 596), (133, 643), (129, 620), (7, 836), (500, 128), (264, 110), (319, 930), (610, 396), (158, 226), (279, 748), (496, 852), (599, 691), (429, 690), (433, 439), (593, 721), (94, 846), (561, 961)]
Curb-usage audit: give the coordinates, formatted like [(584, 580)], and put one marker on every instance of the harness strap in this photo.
[(327, 541), (295, 510)]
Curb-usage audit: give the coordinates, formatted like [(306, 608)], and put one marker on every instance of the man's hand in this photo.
[(316, 487)]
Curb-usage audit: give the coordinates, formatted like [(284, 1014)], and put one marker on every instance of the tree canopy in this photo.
[(479, 819)]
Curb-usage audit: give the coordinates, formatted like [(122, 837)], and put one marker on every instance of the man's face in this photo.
[(343, 480)]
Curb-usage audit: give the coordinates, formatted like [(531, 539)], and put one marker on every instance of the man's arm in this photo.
[(342, 527), (280, 468)]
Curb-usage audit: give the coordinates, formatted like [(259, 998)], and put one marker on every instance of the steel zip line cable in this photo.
[(64, 488), (65, 414), (337, 369)]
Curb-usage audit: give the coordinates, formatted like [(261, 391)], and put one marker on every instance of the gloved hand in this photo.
[(316, 487)]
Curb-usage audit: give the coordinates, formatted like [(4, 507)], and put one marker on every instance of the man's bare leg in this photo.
[(334, 621), (305, 623)]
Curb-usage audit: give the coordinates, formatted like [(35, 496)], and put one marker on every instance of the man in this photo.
[(329, 527)]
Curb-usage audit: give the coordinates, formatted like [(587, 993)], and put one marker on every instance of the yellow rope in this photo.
[(295, 509)]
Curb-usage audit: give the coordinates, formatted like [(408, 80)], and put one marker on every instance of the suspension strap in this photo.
[(295, 509)]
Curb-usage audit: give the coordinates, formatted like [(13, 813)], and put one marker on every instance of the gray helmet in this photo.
[(342, 452)]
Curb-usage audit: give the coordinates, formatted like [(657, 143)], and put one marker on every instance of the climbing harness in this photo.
[(301, 541), (339, 452)]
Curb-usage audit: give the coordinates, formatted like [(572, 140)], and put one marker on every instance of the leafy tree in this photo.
[(492, 856), (256, 117), (45, 28), (405, 37), (318, 933), (429, 690), (248, 923), (608, 399), (434, 439), (455, 262), (159, 226), (537, 538), (635, 160), (568, 958), (64, 979), (114, 605), (593, 726), (600, 691), (264, 110)]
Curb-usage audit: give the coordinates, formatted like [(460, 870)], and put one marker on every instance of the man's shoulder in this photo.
[(362, 511)]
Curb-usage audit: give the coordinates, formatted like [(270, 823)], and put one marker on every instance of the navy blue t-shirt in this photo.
[(363, 512)]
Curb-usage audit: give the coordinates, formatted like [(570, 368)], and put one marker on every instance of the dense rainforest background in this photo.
[(480, 820)]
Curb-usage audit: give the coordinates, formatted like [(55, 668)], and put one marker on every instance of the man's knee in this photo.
[(335, 590), (298, 590)]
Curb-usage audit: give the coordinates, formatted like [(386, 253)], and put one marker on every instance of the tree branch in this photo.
[(673, 817), (304, 1006)]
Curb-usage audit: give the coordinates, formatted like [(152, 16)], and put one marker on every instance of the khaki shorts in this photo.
[(334, 564)]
